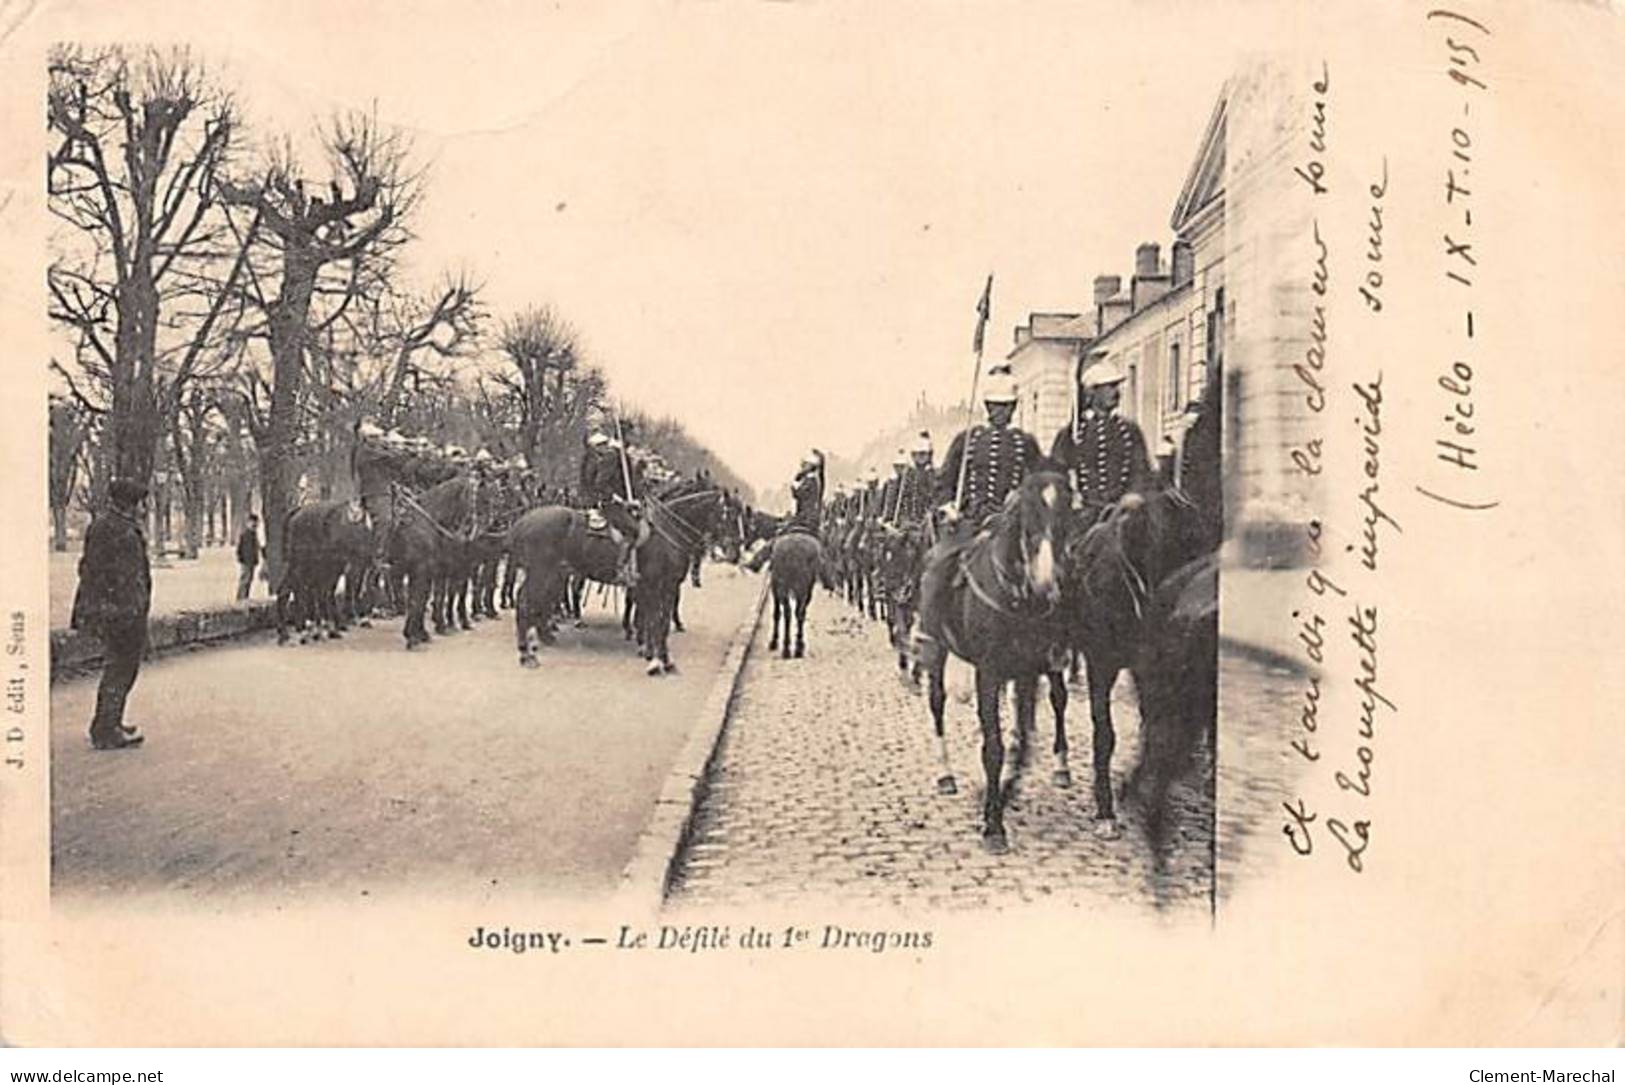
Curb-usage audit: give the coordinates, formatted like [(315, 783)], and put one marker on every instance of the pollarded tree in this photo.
[(139, 140), (325, 245)]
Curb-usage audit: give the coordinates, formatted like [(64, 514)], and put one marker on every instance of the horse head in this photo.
[(1038, 516)]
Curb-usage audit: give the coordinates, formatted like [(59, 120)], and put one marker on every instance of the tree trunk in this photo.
[(288, 324), (59, 528)]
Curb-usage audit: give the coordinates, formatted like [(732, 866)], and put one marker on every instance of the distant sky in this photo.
[(772, 220)]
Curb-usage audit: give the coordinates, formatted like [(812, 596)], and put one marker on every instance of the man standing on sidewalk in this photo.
[(248, 555), (115, 594)]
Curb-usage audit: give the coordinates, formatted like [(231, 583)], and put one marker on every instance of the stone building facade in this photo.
[(1226, 300)]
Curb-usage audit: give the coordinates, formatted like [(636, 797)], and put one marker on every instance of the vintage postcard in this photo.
[(811, 523)]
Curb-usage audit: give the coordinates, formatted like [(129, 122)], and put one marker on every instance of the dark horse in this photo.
[(679, 519), (1134, 585), (427, 537), (797, 560), (550, 545), (323, 542), (993, 601)]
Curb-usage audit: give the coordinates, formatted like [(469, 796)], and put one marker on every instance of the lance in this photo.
[(626, 468), (982, 308)]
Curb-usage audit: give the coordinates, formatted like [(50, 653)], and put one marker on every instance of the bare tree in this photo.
[(323, 248), (68, 431), (142, 139), (444, 322), (552, 395)]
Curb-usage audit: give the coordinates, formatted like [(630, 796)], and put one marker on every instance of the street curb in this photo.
[(647, 876)]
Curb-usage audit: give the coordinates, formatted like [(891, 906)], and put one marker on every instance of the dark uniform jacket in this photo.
[(1106, 456), (115, 581), (808, 493), (1000, 458), (891, 498), (914, 495)]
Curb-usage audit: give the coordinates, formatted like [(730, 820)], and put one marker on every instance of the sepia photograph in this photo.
[(774, 497)]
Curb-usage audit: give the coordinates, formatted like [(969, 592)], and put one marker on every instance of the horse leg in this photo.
[(1026, 702), (1101, 680), (465, 579), (510, 576), (282, 599), (778, 608), (676, 602), (802, 598), (987, 712), (1057, 702), (937, 697), (417, 600), (523, 618)]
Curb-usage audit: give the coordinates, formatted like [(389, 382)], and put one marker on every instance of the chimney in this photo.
[(1147, 259), (1106, 287), (1184, 259)]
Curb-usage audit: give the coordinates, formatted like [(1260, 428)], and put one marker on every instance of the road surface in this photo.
[(825, 789), (356, 768)]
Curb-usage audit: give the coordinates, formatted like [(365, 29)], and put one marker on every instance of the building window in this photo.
[(1175, 380)]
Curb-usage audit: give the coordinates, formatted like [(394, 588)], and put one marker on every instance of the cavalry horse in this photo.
[(552, 544), (902, 552), (796, 560), (994, 601), (679, 518), (414, 535), (1135, 585), (321, 543)]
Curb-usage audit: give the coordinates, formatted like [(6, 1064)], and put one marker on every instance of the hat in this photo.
[(482, 456), (901, 457), (369, 430), (456, 452), (872, 475), (395, 438), (126, 491), (922, 443), (1101, 373), (1001, 386), (598, 440)]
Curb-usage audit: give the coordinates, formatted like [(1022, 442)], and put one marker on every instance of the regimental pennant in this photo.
[(982, 309)]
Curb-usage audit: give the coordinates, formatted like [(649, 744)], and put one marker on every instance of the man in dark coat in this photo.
[(1104, 452), (114, 597), (248, 555)]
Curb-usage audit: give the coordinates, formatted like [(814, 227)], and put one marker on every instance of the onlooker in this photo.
[(248, 555), (114, 597)]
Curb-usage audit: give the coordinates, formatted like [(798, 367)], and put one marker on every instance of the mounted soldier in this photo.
[(1104, 453), (807, 491), (994, 457), (918, 484), (609, 488)]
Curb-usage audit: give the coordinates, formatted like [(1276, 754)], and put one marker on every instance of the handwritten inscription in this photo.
[(1457, 446), (1313, 170), (1372, 514)]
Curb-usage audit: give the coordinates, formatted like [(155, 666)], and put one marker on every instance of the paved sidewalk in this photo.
[(207, 583)]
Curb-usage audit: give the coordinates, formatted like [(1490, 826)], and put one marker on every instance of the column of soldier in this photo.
[(875, 533), (508, 488)]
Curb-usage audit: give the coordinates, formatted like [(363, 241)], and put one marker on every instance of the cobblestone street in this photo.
[(825, 787)]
